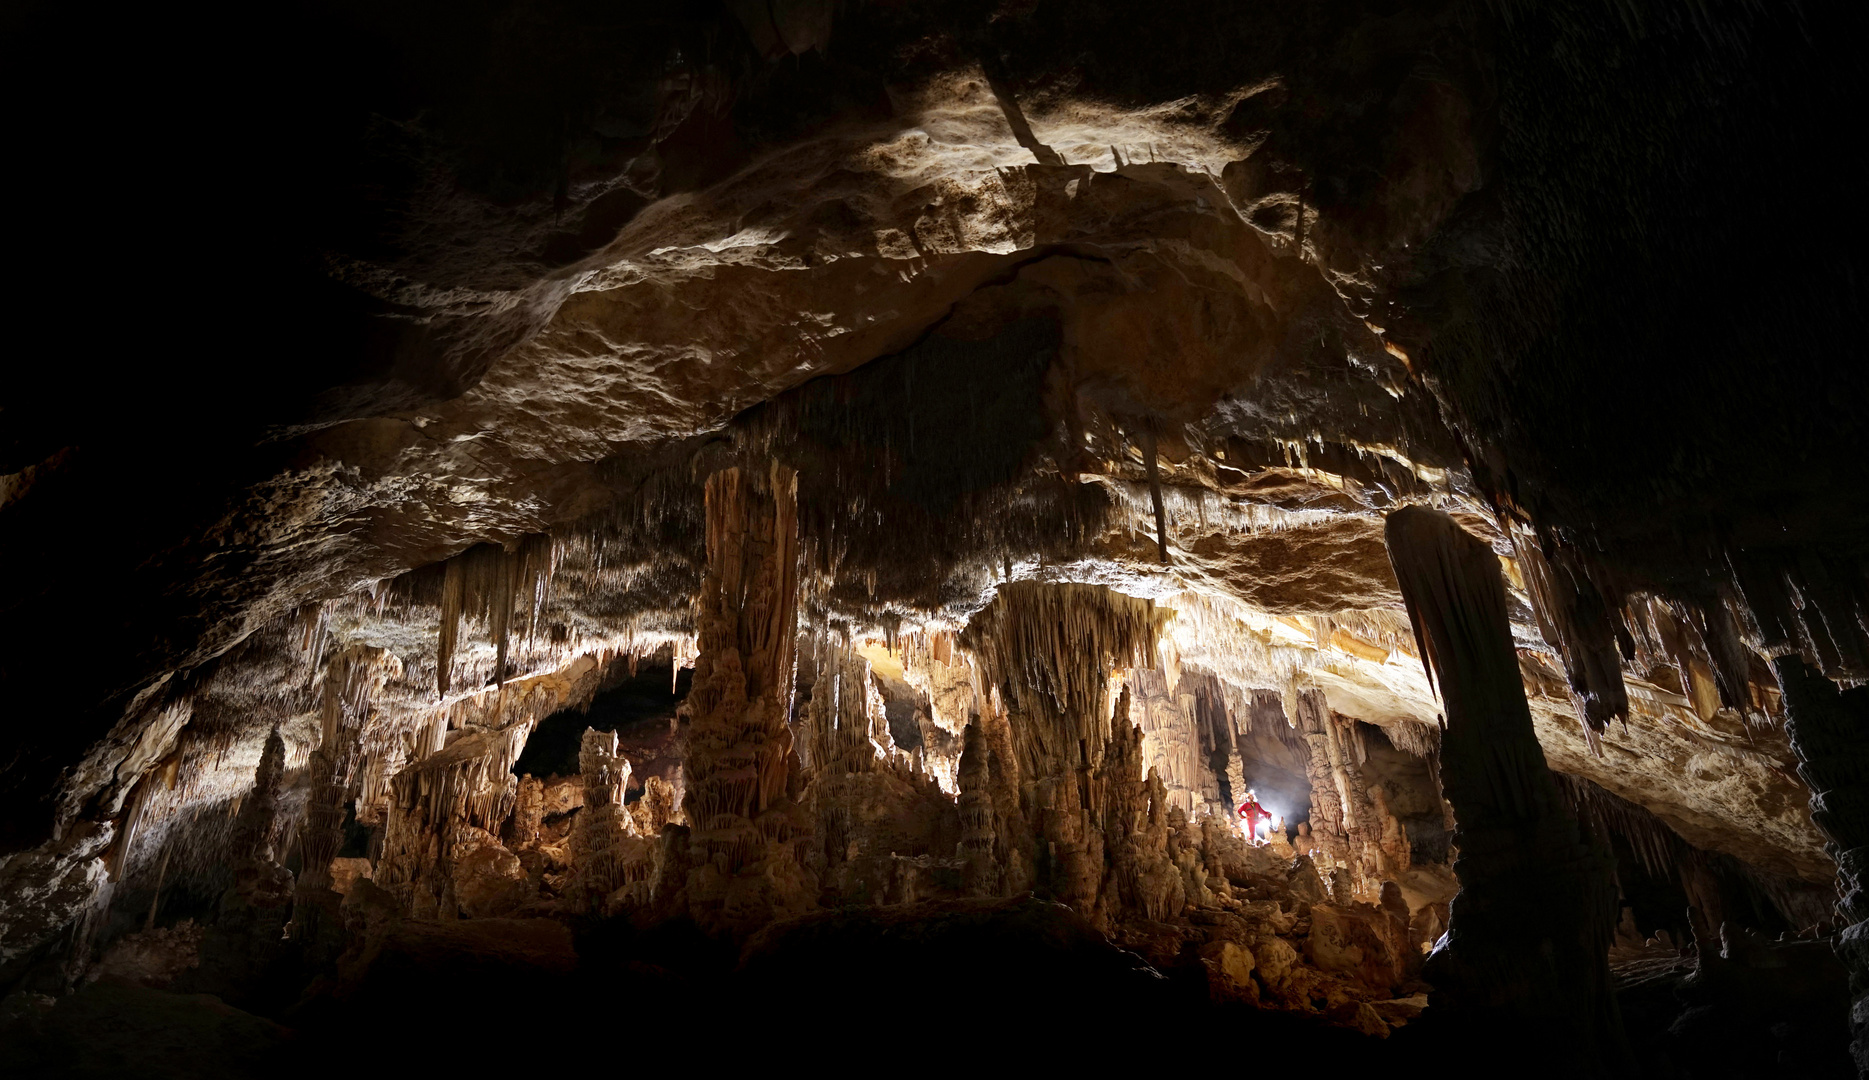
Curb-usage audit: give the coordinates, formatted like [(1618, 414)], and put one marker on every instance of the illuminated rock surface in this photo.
[(797, 510)]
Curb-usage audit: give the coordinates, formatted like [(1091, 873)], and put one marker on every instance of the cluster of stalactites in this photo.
[(1183, 722), (352, 678), (491, 583), (471, 781), (1703, 644), (1658, 847), (1421, 740), (1574, 618), (468, 785), (1052, 647), (846, 729), (1773, 605), (1802, 602)]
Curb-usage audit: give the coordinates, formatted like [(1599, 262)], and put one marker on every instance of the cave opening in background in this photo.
[(641, 708)]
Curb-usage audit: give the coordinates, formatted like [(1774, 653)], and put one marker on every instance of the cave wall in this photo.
[(1174, 303)]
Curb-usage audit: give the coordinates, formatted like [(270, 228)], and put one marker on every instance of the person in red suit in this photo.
[(1253, 812)]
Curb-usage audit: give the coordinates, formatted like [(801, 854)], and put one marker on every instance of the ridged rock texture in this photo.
[(1528, 946), (742, 770), (651, 497)]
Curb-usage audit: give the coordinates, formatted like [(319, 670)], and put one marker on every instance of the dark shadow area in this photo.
[(640, 708), (1774, 1010)]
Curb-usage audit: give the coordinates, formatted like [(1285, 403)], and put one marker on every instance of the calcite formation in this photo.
[(744, 822), (1517, 839), (685, 490)]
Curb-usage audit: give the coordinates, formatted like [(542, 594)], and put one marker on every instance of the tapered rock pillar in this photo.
[(1526, 956), (740, 756), (350, 681), (258, 877), (1829, 729)]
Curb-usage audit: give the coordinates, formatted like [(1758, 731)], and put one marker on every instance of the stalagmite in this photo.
[(1532, 924), (252, 849), (607, 854), (350, 681), (979, 831), (1142, 879), (1330, 816), (741, 764)]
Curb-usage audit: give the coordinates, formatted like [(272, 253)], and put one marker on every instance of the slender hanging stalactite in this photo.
[(1527, 950), (1155, 489)]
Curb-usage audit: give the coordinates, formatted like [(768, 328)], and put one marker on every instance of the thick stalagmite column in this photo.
[(600, 838), (352, 678), (1526, 957), (1829, 729), (740, 757), (253, 856)]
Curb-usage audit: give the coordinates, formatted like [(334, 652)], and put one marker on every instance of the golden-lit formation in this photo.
[(1243, 535)]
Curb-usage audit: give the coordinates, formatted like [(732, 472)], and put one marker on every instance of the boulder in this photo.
[(490, 882), (1355, 941)]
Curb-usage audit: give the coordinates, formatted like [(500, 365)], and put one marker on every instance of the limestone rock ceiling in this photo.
[(1180, 306)]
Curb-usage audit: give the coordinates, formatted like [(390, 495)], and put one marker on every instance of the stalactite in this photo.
[(491, 584), (314, 633), (1153, 470), (1575, 619), (1052, 647), (1529, 883), (467, 786)]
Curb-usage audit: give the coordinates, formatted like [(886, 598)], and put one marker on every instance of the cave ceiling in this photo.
[(1178, 302)]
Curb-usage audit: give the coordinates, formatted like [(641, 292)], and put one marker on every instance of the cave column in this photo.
[(1329, 824), (740, 755), (597, 850), (350, 681), (1829, 730), (1526, 957)]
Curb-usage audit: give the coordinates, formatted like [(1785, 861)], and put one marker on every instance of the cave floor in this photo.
[(1022, 982)]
